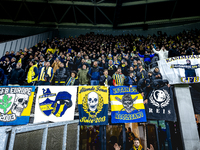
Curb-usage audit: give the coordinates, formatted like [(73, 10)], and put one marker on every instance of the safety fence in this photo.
[(46, 136)]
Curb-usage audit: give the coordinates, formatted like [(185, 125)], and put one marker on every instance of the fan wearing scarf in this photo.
[(73, 80), (136, 146)]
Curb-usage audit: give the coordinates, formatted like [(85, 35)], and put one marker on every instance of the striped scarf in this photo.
[(71, 81)]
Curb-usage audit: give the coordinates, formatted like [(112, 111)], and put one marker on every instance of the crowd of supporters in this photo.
[(97, 59)]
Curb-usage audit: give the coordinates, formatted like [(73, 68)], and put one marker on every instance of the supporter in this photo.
[(50, 59), (1, 76), (118, 78), (87, 60), (32, 75), (157, 74), (116, 61), (73, 79), (45, 74), (7, 55), (77, 61), (95, 73), (83, 75), (150, 76), (12, 64), (106, 79), (162, 53), (147, 57), (5, 66), (124, 67), (56, 65), (142, 84), (17, 76), (130, 80), (111, 68), (61, 75), (141, 73)]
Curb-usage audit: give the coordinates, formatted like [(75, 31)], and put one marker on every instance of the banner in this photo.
[(93, 105), (126, 105), (160, 104), (55, 103), (181, 69), (15, 104)]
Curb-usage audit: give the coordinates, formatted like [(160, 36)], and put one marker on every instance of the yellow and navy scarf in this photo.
[(71, 81), (110, 67), (139, 148)]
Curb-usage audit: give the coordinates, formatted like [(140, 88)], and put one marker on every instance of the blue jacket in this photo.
[(146, 57), (94, 72)]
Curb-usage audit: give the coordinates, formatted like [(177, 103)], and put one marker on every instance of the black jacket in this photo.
[(16, 76), (103, 78), (61, 74)]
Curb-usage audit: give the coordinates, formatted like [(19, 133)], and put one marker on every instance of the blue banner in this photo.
[(126, 105)]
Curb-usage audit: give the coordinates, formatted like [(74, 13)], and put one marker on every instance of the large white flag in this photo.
[(55, 103), (181, 69)]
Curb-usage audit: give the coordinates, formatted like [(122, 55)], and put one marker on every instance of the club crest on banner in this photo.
[(160, 98), (15, 104), (56, 104)]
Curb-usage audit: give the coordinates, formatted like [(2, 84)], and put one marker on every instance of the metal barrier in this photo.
[(41, 136)]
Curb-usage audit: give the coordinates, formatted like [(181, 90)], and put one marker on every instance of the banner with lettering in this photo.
[(55, 103), (181, 69), (93, 105), (15, 104), (160, 104), (126, 105)]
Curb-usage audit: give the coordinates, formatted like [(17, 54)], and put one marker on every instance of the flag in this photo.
[(93, 105), (55, 103), (126, 105), (160, 104), (15, 104), (183, 69)]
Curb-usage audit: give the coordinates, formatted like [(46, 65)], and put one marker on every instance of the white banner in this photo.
[(55, 103), (180, 69)]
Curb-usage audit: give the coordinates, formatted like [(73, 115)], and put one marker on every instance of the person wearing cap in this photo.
[(32, 75), (118, 78), (73, 79)]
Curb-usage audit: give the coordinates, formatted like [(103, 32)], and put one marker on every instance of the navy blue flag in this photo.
[(160, 104)]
